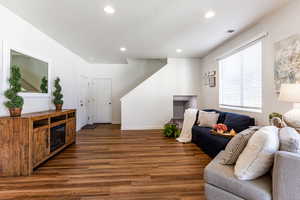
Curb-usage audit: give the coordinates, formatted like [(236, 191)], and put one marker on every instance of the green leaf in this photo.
[(171, 130)]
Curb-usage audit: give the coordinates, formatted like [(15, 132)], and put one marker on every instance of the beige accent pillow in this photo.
[(236, 146), (258, 156), (201, 115), (289, 140), (207, 119)]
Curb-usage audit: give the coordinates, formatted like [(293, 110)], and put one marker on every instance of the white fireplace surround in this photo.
[(181, 103)]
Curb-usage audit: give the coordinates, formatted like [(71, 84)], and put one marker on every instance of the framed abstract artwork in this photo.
[(287, 61)]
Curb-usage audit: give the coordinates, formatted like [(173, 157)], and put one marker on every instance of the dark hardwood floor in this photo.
[(109, 164)]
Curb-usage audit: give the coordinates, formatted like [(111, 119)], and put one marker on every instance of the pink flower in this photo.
[(221, 127)]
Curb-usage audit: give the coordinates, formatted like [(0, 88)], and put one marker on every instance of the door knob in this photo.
[(109, 103)]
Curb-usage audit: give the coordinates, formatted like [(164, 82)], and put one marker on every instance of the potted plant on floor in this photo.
[(171, 130), (15, 102), (58, 96)]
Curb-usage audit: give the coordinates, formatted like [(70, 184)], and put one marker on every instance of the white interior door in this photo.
[(83, 101), (102, 100)]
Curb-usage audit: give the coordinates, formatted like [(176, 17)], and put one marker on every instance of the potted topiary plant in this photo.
[(58, 102), (15, 102), (44, 85)]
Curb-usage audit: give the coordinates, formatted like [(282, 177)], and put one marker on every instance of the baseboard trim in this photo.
[(116, 122), (145, 127)]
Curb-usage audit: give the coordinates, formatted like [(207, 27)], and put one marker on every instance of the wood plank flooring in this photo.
[(109, 164)]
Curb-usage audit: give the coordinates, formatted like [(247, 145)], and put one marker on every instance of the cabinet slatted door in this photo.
[(41, 147), (71, 131), (14, 146)]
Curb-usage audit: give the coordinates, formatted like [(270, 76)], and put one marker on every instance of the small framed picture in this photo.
[(212, 81)]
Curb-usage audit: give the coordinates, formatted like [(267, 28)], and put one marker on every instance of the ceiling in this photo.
[(147, 28)]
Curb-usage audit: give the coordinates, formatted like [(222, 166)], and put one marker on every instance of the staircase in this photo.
[(27, 87), (150, 104), (147, 67)]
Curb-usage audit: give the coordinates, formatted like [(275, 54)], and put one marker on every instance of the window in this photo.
[(241, 79)]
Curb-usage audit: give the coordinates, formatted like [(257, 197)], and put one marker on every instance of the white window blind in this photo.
[(241, 79)]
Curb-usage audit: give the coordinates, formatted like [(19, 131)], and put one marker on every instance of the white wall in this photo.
[(18, 33), (279, 25), (150, 105), (125, 77)]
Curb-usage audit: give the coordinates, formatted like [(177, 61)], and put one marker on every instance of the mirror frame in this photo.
[(7, 64)]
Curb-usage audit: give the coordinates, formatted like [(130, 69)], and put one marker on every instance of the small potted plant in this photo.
[(58, 96), (276, 119), (15, 102), (171, 130)]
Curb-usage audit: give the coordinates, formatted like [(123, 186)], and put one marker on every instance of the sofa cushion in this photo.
[(215, 193), (289, 140), (237, 122), (210, 144), (198, 132), (258, 156), (221, 116), (222, 176), (208, 119)]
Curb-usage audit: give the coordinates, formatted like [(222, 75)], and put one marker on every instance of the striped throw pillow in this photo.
[(236, 146)]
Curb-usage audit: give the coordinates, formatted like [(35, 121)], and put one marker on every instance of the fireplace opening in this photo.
[(57, 137), (180, 104)]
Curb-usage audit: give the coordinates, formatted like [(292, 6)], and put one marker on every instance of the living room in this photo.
[(90, 90)]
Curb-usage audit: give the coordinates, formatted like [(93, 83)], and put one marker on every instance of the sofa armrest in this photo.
[(286, 176)]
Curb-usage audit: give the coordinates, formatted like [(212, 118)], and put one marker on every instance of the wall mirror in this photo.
[(35, 73)]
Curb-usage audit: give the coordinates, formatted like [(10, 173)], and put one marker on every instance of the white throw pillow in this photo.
[(207, 119), (258, 156), (289, 140)]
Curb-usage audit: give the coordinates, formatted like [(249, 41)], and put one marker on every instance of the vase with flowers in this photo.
[(223, 130), (220, 128)]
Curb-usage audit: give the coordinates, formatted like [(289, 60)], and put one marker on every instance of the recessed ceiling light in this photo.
[(178, 50), (109, 10), (210, 14), (123, 49)]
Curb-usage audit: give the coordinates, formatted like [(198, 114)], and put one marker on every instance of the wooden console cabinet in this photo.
[(25, 142)]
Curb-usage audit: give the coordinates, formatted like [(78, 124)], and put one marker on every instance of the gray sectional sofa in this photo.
[(282, 184)]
